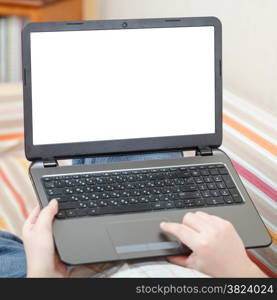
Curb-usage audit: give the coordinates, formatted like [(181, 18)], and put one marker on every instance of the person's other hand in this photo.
[(217, 248), (42, 260)]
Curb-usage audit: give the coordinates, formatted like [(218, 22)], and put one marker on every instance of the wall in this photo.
[(249, 38)]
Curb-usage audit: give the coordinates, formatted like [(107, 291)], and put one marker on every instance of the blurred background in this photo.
[(250, 93)]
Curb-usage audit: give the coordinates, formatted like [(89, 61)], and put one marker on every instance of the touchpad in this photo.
[(135, 238)]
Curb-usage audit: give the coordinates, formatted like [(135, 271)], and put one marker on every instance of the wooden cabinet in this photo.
[(43, 10)]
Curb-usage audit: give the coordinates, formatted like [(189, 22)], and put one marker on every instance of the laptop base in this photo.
[(137, 235)]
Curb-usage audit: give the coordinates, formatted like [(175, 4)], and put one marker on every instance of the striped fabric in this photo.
[(249, 139)]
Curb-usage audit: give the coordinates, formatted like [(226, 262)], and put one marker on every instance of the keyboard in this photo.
[(141, 190)]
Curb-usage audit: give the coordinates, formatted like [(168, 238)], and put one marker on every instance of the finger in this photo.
[(185, 234), (212, 221), (48, 213), (196, 222), (179, 260), (32, 218)]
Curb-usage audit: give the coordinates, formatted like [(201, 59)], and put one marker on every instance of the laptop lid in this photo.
[(99, 87)]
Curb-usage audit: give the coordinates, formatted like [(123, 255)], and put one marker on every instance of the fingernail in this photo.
[(162, 224), (53, 202)]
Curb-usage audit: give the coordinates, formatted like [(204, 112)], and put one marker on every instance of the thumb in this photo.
[(47, 215), (180, 260)]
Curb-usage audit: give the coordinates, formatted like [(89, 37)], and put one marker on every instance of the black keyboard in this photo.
[(118, 192)]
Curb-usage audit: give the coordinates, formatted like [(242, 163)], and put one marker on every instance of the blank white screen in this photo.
[(120, 84)]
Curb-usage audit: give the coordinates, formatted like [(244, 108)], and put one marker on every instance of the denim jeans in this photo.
[(127, 157), (12, 255)]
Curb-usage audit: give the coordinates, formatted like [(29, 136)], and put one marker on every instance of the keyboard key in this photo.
[(83, 204), (188, 195), (217, 178), (92, 211), (214, 200), (71, 213), (49, 184), (46, 179), (215, 193), (113, 202), (99, 188), (228, 199), (198, 179), (84, 197), (90, 181), (68, 205), (204, 172), (206, 194), (125, 208), (228, 181), (188, 188), (61, 214), (195, 173), (211, 186), (68, 190), (223, 171), (141, 200), (224, 192), (169, 204), (234, 191), (134, 200), (69, 183), (103, 203), (190, 180), (74, 198), (59, 183), (179, 203), (92, 204), (202, 187), (158, 205), (208, 179), (52, 192), (221, 185), (214, 171), (236, 196), (164, 198), (211, 166), (182, 169), (95, 196), (199, 202)]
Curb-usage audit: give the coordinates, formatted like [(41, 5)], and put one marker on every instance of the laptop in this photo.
[(94, 88)]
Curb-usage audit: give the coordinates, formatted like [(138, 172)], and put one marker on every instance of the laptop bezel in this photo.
[(71, 150)]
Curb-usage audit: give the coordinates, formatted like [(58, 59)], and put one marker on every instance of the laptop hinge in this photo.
[(50, 163), (205, 151)]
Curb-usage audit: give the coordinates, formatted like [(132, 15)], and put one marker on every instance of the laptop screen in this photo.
[(99, 85)]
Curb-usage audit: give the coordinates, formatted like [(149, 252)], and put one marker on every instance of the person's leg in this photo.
[(127, 157), (12, 256)]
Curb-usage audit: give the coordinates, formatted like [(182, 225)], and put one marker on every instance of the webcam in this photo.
[(124, 24)]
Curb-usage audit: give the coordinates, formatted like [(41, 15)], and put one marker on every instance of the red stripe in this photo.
[(261, 185), (18, 198), (264, 268)]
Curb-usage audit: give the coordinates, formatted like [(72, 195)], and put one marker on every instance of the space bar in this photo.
[(123, 208)]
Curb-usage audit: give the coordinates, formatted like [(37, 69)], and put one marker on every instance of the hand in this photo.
[(42, 260), (217, 248)]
